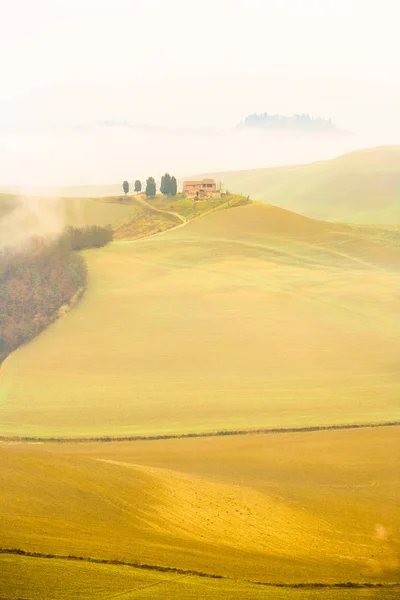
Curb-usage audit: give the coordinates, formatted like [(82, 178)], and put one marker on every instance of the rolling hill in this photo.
[(283, 509), (247, 318), (243, 319), (360, 187)]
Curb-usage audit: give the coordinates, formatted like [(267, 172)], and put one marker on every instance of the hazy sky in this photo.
[(197, 63), (179, 63)]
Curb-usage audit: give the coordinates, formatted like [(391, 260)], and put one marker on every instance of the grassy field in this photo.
[(306, 507), (81, 212), (40, 578), (7, 202), (360, 187), (130, 219), (191, 209), (169, 212), (78, 212), (142, 222), (247, 318)]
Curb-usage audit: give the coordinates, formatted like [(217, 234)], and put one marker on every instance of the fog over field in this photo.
[(109, 153), (101, 92), (199, 299)]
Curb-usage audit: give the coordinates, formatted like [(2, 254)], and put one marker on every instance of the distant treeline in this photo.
[(303, 122), (37, 281)]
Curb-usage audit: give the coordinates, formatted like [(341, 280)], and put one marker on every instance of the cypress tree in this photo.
[(151, 187), (162, 186), (166, 184), (173, 187)]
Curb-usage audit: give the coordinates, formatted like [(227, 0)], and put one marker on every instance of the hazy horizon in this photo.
[(193, 76)]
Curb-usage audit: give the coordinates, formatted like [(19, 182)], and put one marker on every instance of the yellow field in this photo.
[(288, 508), (247, 318), (61, 580), (7, 202), (81, 212), (360, 187), (142, 222)]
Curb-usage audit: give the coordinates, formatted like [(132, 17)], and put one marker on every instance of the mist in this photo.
[(36, 157), (29, 218)]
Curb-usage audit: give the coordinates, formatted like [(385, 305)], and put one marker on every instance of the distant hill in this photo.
[(304, 122), (360, 187)]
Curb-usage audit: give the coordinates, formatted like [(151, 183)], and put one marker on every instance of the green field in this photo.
[(143, 221), (7, 202), (81, 212), (36, 579), (131, 217), (243, 319), (360, 187), (247, 318), (78, 212), (191, 209)]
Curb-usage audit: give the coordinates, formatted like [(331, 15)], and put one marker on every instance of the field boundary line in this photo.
[(190, 572), (180, 436)]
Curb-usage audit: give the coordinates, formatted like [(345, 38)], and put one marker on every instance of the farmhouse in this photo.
[(207, 188)]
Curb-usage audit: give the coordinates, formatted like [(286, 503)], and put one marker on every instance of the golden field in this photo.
[(58, 580), (286, 508), (247, 318)]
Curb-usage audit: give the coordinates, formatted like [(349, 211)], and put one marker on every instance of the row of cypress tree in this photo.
[(168, 186)]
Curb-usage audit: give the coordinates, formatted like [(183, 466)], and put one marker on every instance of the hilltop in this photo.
[(359, 187)]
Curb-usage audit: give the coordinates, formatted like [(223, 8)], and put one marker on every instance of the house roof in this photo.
[(198, 182)]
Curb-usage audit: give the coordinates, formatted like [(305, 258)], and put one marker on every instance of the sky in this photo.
[(197, 64)]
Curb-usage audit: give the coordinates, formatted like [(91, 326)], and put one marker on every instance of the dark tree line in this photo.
[(94, 236), (37, 281), (303, 122)]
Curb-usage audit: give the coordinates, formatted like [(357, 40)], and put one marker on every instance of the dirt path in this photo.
[(184, 221), (140, 198)]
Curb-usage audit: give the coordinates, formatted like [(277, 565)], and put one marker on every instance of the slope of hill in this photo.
[(7, 203), (360, 187), (305, 507), (247, 318), (81, 212), (78, 212)]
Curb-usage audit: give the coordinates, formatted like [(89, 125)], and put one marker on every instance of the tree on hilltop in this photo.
[(165, 187), (125, 187), (138, 186), (174, 187), (151, 187), (168, 185)]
